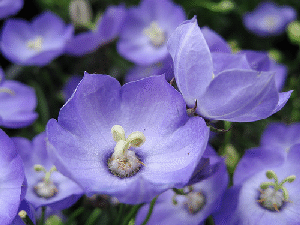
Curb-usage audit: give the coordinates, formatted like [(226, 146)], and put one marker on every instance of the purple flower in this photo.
[(36, 43), (9, 8), (229, 92), (200, 200), (268, 19), (12, 177), (265, 189), (146, 29), (131, 142), (17, 105), (45, 186), (107, 28)]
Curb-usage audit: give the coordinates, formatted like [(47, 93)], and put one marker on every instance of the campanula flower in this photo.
[(132, 142), (269, 19), (45, 185), (107, 28), (227, 92), (12, 178), (37, 42), (197, 201), (146, 29), (10, 8), (17, 105), (266, 189)]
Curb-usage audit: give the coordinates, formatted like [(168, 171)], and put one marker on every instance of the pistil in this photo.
[(274, 194), (124, 162)]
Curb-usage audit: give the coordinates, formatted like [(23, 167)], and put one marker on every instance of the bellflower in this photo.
[(35, 43), (132, 142), (11, 179), (268, 19), (230, 93), (17, 103), (199, 200), (9, 8), (45, 185), (266, 189), (107, 28), (146, 29)]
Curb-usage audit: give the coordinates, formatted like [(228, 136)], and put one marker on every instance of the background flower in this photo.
[(146, 29), (269, 19), (37, 42)]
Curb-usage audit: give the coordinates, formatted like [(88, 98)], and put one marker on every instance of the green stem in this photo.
[(150, 210), (131, 214), (42, 218)]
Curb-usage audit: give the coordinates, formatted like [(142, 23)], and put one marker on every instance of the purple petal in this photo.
[(279, 135), (239, 96), (255, 160), (17, 108), (107, 29), (193, 67), (283, 98), (214, 41), (227, 61)]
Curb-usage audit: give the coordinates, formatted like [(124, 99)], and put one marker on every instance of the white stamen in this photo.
[(35, 44), (156, 35), (124, 162), (195, 202)]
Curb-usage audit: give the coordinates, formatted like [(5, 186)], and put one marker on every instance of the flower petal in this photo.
[(239, 96), (193, 67)]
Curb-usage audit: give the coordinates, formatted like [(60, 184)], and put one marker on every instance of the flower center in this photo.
[(45, 188), (156, 35), (270, 22), (273, 194), (35, 44), (124, 162), (195, 201)]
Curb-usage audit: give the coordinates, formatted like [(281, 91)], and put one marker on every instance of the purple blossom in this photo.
[(37, 42), (12, 177), (146, 29), (17, 105), (89, 143), (197, 204), (269, 19), (226, 92), (253, 201), (10, 8), (57, 191), (107, 28)]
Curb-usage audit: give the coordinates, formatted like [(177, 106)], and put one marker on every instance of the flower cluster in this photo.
[(106, 115)]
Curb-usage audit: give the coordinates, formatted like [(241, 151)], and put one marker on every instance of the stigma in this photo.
[(274, 194), (124, 162), (45, 188), (156, 34)]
